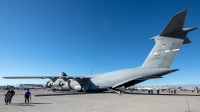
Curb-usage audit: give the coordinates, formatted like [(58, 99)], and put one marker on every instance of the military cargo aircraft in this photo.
[(157, 63)]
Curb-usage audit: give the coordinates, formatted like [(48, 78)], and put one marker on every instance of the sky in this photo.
[(47, 37)]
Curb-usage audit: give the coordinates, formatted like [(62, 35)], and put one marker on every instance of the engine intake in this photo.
[(48, 84), (60, 83)]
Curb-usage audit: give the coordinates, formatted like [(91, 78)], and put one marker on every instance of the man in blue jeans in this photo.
[(27, 96)]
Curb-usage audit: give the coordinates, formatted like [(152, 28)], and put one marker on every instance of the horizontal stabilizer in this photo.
[(175, 24), (189, 29), (186, 41)]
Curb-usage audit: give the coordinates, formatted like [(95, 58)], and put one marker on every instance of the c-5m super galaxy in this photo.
[(157, 64)]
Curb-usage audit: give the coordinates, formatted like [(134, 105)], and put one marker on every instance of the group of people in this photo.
[(8, 96), (171, 91), (11, 93), (150, 91)]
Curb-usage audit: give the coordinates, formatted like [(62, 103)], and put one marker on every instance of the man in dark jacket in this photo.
[(12, 94), (7, 97), (158, 91)]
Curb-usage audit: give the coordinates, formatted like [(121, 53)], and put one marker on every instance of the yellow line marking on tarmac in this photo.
[(165, 105)]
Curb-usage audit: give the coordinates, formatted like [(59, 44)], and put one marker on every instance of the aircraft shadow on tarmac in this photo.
[(125, 92), (27, 104), (73, 93)]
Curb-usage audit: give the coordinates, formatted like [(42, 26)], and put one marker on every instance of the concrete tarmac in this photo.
[(47, 101)]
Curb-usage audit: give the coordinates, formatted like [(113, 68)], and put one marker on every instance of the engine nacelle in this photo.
[(72, 84), (66, 87), (59, 83), (47, 84), (77, 88)]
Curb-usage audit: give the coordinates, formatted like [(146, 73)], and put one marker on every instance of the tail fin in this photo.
[(168, 43)]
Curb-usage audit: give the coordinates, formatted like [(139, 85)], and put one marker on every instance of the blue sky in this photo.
[(76, 36)]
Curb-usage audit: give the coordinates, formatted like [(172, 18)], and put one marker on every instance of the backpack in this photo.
[(27, 94)]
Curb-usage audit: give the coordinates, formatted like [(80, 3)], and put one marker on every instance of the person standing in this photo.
[(197, 90), (12, 94), (27, 96), (151, 91), (120, 92), (174, 91), (7, 97), (158, 91)]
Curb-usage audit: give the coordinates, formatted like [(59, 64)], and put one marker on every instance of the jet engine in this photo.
[(59, 83), (47, 84), (77, 88), (72, 84), (66, 87)]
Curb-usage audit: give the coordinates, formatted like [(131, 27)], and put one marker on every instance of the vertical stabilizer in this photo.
[(163, 52), (168, 43)]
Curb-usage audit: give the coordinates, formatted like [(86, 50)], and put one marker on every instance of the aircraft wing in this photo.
[(43, 77), (32, 84)]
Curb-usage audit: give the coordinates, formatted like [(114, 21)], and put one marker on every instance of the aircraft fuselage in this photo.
[(116, 78)]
